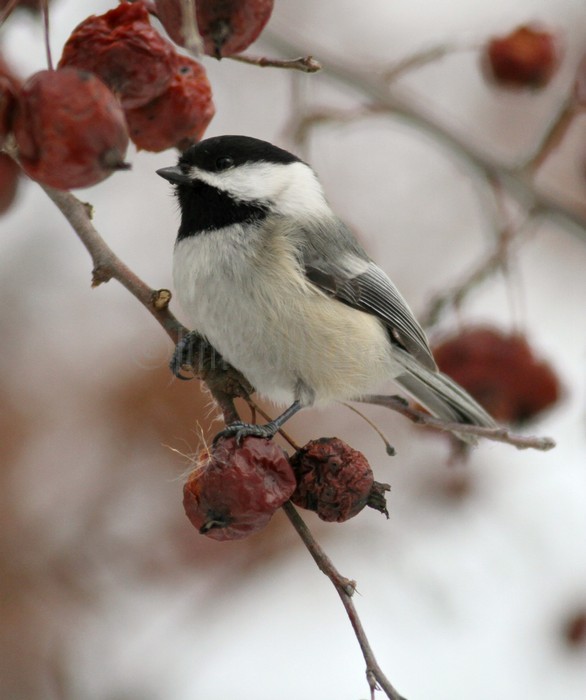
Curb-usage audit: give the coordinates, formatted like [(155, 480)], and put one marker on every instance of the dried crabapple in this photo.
[(179, 116), (236, 488), (335, 481), (9, 175), (526, 58), (500, 371), (69, 129), (227, 27), (125, 51)]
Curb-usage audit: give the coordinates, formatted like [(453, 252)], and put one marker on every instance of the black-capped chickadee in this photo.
[(281, 288)]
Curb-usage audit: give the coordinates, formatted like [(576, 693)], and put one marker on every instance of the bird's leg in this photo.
[(240, 429)]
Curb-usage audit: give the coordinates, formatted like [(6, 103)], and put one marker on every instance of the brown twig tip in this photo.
[(161, 298), (305, 64)]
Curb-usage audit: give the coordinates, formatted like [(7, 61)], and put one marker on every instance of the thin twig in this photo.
[(107, 265), (390, 450), (421, 59), (400, 405), (45, 9), (345, 588), (496, 260), (553, 136), (223, 381), (305, 64)]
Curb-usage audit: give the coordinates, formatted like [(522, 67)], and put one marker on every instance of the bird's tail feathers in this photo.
[(441, 395)]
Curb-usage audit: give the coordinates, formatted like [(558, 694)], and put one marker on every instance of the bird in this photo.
[(274, 280)]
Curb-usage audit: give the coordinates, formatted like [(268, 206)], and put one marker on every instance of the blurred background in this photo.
[(476, 585)]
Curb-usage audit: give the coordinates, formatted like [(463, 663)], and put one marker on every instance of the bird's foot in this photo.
[(240, 430), (184, 354)]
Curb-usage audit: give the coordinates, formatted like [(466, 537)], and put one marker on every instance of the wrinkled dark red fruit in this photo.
[(335, 480), (69, 129), (125, 51), (526, 58), (234, 490), (227, 27), (9, 87), (179, 116), (9, 173), (500, 371)]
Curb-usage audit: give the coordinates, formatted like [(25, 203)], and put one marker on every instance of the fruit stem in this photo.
[(45, 8)]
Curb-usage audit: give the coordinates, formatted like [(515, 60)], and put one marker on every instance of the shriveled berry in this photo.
[(335, 480), (526, 58), (500, 371), (9, 175), (125, 51), (69, 129), (179, 116), (235, 489), (227, 27)]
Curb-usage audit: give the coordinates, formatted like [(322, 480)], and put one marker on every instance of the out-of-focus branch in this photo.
[(345, 588), (400, 103)]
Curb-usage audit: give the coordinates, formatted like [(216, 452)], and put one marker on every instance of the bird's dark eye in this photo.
[(224, 162)]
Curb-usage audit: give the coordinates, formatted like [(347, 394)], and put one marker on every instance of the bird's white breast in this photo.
[(255, 306)]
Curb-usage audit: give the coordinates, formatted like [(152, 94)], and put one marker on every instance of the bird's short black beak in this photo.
[(174, 174)]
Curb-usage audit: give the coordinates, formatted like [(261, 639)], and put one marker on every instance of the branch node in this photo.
[(89, 209), (161, 298), (348, 586), (100, 274)]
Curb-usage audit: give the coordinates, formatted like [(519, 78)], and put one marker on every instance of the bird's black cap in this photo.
[(222, 152)]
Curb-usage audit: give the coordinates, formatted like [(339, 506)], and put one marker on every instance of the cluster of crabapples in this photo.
[(118, 79), (235, 488)]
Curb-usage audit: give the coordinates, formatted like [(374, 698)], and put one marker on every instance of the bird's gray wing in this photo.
[(347, 274)]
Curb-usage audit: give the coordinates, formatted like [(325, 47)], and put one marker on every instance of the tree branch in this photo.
[(345, 588), (223, 381), (305, 64), (400, 405)]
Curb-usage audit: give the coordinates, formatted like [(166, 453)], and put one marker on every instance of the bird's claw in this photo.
[(240, 430), (184, 354)]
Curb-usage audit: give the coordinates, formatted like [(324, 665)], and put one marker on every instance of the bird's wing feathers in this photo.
[(355, 280)]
